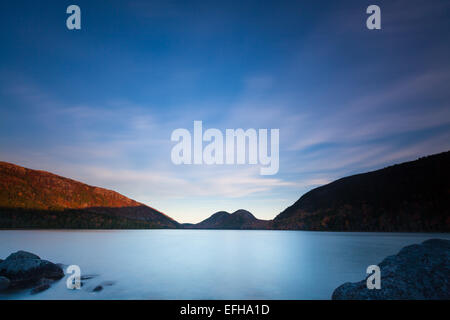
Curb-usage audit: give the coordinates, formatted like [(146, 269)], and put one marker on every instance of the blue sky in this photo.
[(99, 104)]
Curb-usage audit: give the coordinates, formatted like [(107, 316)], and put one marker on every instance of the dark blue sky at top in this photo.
[(99, 104), (133, 48)]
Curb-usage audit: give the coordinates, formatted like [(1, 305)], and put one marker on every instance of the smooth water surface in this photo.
[(207, 264)]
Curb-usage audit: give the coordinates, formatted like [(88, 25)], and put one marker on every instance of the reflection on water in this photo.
[(207, 264)]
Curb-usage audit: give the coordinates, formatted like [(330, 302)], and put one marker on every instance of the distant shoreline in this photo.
[(408, 197), (172, 229)]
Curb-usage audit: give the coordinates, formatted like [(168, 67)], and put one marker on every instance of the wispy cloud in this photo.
[(101, 108)]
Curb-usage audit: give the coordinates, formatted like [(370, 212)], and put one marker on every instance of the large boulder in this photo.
[(25, 269), (419, 272), (19, 255)]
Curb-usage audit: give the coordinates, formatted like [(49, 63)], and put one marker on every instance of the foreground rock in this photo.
[(420, 272), (4, 283), (42, 285), (24, 270)]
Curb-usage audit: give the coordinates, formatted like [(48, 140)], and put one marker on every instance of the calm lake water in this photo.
[(207, 264)]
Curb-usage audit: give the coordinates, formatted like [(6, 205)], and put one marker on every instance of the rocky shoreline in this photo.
[(27, 271), (23, 270), (417, 272)]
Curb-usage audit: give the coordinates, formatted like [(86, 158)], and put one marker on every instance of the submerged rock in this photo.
[(97, 288), (102, 285), (43, 285), (40, 288), (107, 283), (25, 269), (419, 272), (4, 283), (88, 276)]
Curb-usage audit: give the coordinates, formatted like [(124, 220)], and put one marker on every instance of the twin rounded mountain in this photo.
[(240, 219), (39, 199)]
